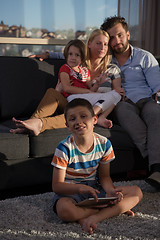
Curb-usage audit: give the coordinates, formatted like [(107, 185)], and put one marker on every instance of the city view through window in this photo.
[(50, 21)]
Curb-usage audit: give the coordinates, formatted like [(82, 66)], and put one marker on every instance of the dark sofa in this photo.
[(25, 159)]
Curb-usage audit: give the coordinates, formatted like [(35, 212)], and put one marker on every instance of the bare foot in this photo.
[(130, 213), (34, 125), (88, 224), (19, 130), (103, 122)]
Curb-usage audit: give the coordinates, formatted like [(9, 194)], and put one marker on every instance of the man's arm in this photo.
[(152, 72), (46, 55), (56, 55)]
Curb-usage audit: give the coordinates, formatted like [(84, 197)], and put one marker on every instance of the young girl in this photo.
[(76, 82)]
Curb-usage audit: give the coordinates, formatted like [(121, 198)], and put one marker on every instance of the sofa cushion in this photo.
[(46, 143), (23, 82), (14, 146)]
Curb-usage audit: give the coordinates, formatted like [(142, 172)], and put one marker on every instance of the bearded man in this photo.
[(139, 112)]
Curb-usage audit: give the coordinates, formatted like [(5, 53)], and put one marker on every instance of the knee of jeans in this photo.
[(122, 107)]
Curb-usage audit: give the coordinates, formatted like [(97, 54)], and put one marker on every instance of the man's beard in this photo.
[(122, 49)]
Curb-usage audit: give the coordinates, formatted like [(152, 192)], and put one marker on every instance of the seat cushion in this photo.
[(46, 143), (14, 146)]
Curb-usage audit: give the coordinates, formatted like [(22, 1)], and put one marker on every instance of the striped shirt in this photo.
[(82, 166), (113, 73)]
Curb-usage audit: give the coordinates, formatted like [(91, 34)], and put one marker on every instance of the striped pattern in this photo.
[(82, 166)]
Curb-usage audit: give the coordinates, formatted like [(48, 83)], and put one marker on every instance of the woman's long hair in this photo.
[(105, 60)]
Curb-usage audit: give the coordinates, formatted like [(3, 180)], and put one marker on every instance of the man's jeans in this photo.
[(142, 122)]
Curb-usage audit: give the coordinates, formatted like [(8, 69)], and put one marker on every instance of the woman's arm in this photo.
[(67, 87)]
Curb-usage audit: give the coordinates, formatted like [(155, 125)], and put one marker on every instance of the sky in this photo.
[(56, 14)]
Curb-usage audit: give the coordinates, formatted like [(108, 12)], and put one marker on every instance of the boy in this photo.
[(76, 161)]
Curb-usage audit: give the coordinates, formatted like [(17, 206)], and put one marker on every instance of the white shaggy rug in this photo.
[(32, 218)]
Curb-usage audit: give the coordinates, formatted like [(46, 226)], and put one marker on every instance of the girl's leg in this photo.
[(49, 104), (131, 197), (105, 106), (38, 125), (102, 118), (47, 107), (41, 118)]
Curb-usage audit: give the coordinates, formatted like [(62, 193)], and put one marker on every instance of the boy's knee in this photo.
[(138, 192), (65, 212)]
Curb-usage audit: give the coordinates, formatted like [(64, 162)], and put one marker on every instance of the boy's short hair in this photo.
[(80, 45), (112, 21), (79, 102)]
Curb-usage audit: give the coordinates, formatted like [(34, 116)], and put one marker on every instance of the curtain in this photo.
[(143, 17), (151, 26)]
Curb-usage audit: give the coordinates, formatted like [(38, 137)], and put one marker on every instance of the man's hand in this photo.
[(157, 96), (40, 56)]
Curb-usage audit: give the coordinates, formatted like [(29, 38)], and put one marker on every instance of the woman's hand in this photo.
[(103, 77)]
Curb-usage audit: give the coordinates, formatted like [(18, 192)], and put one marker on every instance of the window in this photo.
[(28, 26)]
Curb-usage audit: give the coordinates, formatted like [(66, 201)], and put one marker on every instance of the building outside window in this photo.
[(28, 26)]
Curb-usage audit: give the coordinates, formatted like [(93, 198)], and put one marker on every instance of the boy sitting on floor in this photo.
[(76, 162)]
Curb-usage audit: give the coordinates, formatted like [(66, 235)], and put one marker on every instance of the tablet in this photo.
[(92, 202)]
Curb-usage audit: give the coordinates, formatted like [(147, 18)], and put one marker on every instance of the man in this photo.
[(138, 114)]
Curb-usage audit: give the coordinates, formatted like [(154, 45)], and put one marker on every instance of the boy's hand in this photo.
[(87, 189), (116, 193)]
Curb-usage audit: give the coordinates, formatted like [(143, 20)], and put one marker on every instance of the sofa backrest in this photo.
[(23, 82)]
